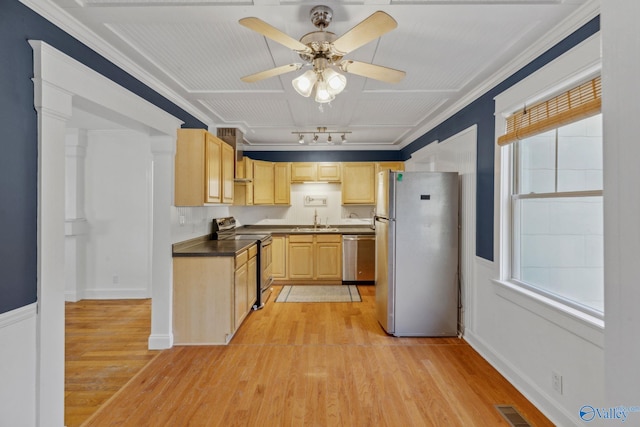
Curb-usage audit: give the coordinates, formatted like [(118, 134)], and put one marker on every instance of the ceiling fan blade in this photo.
[(259, 26), (372, 71), (271, 73), (370, 29)]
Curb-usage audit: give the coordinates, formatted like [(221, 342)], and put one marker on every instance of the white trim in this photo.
[(160, 341), (18, 315), (544, 402), (58, 79), (559, 74), (122, 293), (575, 321)]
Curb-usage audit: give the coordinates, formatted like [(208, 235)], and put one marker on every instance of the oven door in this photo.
[(265, 270)]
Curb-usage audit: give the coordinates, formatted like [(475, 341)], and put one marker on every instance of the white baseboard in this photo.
[(557, 414), (160, 341), (113, 294)]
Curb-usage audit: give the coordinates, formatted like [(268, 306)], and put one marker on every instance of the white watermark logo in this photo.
[(620, 413)]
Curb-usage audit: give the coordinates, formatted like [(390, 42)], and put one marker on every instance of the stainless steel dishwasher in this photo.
[(358, 257)]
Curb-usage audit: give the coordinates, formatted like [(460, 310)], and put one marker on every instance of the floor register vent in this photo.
[(512, 416)]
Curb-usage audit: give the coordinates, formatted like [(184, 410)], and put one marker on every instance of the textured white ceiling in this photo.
[(196, 51)]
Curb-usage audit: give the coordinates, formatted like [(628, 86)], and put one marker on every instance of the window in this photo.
[(556, 206)]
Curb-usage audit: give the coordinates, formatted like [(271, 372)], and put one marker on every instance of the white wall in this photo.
[(118, 213), (526, 337), (621, 110)]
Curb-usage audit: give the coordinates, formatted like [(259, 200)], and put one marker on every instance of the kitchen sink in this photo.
[(315, 230)]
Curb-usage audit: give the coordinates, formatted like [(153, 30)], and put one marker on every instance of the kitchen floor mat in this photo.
[(319, 293)]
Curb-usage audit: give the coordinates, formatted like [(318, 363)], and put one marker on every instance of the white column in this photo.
[(620, 112), (54, 109), (163, 150), (76, 225)]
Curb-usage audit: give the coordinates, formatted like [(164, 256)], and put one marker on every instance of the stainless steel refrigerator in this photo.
[(416, 278)]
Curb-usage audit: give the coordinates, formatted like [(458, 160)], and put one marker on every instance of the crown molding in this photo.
[(581, 16), (82, 33)]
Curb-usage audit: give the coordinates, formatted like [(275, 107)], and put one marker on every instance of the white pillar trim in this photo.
[(60, 81)]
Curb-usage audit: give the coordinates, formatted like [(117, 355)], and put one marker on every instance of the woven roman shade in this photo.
[(568, 107)]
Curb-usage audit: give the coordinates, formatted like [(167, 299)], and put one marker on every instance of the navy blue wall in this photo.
[(19, 140), (325, 156), (18, 144)]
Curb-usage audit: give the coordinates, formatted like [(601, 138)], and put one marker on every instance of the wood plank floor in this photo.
[(317, 364), (106, 345)]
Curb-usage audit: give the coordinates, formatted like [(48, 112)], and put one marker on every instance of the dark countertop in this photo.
[(203, 247), (305, 229)]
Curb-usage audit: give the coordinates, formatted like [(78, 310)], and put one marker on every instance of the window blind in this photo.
[(575, 104)]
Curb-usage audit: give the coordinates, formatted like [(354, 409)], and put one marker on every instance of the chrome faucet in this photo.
[(315, 218)]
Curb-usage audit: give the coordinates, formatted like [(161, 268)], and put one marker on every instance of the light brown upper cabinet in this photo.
[(282, 184), (203, 169), (358, 183), (315, 171), (263, 183)]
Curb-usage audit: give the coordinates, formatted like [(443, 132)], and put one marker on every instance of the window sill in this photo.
[(581, 324)]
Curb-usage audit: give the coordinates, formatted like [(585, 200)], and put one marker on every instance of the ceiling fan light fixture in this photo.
[(322, 93), (304, 83), (336, 82)]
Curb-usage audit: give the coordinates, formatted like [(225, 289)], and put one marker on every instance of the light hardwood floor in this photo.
[(106, 345), (317, 364)]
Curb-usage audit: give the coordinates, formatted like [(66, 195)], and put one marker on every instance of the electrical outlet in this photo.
[(556, 382)]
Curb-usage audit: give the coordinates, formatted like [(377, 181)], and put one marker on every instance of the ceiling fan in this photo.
[(325, 51)]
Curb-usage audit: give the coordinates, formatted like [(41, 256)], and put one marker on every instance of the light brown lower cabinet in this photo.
[(212, 296), (315, 257)]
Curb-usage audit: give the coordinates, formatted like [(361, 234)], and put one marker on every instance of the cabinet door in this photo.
[(301, 256), (279, 257), (282, 189), (190, 168), (213, 168), (328, 257), (329, 172), (240, 295), (303, 171), (358, 183), (263, 184), (228, 172), (391, 166), (252, 281)]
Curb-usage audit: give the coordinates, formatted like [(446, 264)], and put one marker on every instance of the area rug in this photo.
[(319, 293)]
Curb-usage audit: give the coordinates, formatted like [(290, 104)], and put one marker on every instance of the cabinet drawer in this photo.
[(253, 251), (301, 238), (242, 258), (328, 238)]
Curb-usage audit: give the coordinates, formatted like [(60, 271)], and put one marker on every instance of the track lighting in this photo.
[(322, 130)]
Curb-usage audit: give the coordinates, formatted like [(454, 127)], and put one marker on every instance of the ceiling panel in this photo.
[(196, 52), (199, 56)]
